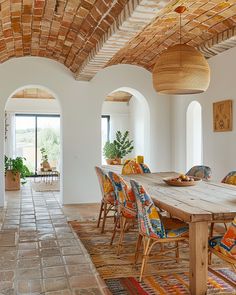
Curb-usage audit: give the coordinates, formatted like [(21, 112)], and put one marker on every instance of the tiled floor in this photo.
[(39, 253)]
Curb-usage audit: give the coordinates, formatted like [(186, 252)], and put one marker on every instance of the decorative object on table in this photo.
[(182, 180), (200, 171), (45, 166), (225, 247), (108, 197), (222, 116), (15, 170), (140, 159), (118, 149), (181, 69), (132, 167)]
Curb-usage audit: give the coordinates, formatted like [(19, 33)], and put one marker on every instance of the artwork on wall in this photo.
[(222, 115)]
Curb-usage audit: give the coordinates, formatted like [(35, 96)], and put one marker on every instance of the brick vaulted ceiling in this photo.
[(88, 35)]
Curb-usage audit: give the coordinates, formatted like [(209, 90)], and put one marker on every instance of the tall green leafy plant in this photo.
[(123, 145), (17, 165)]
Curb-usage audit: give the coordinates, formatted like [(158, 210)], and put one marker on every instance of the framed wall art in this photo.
[(222, 116)]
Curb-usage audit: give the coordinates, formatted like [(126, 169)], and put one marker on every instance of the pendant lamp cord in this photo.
[(180, 31)]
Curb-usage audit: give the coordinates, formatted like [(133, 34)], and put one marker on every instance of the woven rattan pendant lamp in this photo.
[(181, 69)]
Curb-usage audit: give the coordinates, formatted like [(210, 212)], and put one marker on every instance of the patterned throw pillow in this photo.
[(149, 219), (230, 178), (124, 195), (227, 244), (203, 172), (132, 167)]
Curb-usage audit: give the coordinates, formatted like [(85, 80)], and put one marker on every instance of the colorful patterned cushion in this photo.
[(200, 171), (149, 220), (226, 244), (106, 186), (230, 178), (125, 196), (132, 167)]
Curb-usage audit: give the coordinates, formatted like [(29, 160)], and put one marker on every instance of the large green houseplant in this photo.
[(118, 149), (15, 170)]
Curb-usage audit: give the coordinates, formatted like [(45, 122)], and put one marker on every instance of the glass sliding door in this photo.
[(34, 132), (25, 135), (48, 137)]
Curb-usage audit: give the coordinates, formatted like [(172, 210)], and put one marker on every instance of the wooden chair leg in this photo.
[(225, 226), (104, 217), (211, 229), (209, 258), (122, 230), (177, 252), (145, 257), (137, 250), (115, 229), (100, 213)]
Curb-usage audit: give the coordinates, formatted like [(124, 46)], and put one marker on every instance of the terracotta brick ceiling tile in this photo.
[(87, 35)]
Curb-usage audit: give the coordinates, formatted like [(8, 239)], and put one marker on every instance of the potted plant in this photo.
[(110, 153), (45, 166), (118, 149), (15, 170)]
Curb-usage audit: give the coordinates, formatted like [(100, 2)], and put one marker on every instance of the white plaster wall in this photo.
[(218, 147), (36, 106), (137, 125), (81, 106), (119, 116)]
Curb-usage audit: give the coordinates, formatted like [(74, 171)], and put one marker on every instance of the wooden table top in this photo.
[(206, 201)]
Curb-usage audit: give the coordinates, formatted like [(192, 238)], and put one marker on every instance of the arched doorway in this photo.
[(194, 134), (33, 129), (126, 109)]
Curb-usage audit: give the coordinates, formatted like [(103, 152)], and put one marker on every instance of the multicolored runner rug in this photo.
[(161, 277), (172, 284)]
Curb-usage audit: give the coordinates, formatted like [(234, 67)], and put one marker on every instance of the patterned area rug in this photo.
[(161, 277), (43, 186)]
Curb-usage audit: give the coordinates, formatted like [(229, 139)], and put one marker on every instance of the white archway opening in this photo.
[(33, 121), (133, 115), (194, 134)]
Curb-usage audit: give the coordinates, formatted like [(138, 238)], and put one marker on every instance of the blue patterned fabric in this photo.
[(203, 172), (124, 196), (149, 220)]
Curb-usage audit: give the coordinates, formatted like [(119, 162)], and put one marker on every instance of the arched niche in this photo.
[(194, 134)]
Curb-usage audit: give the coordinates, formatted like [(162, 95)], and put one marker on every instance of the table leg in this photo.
[(198, 268)]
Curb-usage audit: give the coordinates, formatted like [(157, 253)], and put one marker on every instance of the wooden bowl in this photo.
[(173, 181)]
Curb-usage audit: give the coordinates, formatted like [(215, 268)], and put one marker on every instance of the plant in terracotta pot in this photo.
[(45, 166), (118, 149), (15, 170)]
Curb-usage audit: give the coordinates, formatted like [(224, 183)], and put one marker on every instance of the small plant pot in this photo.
[(116, 161), (12, 181)]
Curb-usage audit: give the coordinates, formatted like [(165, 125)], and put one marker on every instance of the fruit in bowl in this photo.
[(184, 177)]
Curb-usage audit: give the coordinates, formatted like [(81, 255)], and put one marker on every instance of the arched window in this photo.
[(194, 134)]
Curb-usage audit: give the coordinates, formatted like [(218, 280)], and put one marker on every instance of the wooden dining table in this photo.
[(197, 205)]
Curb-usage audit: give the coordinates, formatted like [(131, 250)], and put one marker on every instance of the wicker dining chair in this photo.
[(132, 167), (201, 171), (152, 230), (126, 208), (225, 247), (108, 197), (230, 178)]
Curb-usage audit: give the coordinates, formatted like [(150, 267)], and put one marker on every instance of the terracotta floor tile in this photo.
[(39, 253), (82, 281), (53, 272), (52, 261), (56, 284)]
